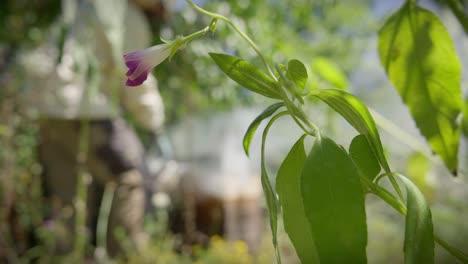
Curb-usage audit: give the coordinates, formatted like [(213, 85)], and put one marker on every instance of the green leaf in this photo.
[(272, 207), (419, 233), (246, 75), (288, 187), (417, 168), (357, 114), (270, 196), (420, 60), (297, 73), (254, 125), (329, 72), (362, 155), (334, 204)]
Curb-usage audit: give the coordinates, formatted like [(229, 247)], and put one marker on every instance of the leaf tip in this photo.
[(454, 172)]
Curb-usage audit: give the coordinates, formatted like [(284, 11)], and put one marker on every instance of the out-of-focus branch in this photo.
[(459, 12)]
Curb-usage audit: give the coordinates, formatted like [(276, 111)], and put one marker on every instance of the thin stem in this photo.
[(81, 192), (391, 177), (242, 34), (270, 123), (457, 10), (454, 251), (295, 111), (390, 199), (304, 118), (104, 212), (265, 178), (195, 35)]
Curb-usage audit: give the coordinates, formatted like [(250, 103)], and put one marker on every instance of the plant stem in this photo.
[(454, 251), (266, 183), (242, 34), (295, 111), (104, 213), (390, 199), (196, 34), (81, 193), (457, 10)]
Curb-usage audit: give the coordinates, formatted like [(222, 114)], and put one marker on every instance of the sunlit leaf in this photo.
[(297, 73), (329, 72), (254, 125), (334, 204), (419, 57), (419, 233), (362, 155), (288, 187), (417, 168), (357, 114), (246, 75)]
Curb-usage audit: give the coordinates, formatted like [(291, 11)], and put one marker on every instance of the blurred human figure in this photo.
[(76, 83)]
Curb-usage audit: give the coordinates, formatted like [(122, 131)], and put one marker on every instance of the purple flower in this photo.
[(141, 62)]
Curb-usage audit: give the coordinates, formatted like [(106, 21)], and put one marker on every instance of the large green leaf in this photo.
[(246, 75), (419, 233), (362, 155), (334, 204), (357, 114), (254, 125), (288, 187), (419, 57)]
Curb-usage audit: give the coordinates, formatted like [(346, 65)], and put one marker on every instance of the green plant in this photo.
[(322, 192)]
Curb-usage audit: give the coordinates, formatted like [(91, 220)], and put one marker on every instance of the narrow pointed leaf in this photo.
[(272, 206), (246, 75), (254, 125), (420, 60), (362, 155), (270, 196), (419, 233), (334, 204), (357, 114), (288, 187), (297, 73)]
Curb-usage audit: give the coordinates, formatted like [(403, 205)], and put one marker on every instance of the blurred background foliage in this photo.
[(331, 36)]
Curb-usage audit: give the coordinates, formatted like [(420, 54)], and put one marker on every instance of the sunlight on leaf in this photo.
[(357, 114), (419, 57), (246, 75)]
